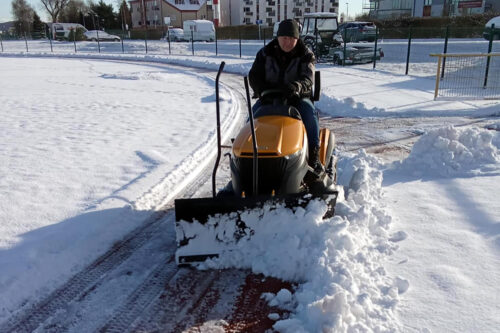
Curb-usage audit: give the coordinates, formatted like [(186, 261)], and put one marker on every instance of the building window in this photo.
[(401, 4), (427, 2)]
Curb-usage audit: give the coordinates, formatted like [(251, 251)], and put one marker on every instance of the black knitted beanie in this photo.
[(288, 28)]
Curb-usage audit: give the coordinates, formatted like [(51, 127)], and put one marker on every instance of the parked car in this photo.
[(495, 31), (358, 31), (103, 36), (176, 35)]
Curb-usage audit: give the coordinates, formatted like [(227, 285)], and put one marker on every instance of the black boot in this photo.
[(314, 161)]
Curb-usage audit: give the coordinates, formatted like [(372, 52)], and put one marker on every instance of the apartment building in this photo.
[(382, 9), (267, 12), (223, 12)]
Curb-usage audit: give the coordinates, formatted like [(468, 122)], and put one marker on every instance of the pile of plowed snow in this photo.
[(453, 151), (336, 262)]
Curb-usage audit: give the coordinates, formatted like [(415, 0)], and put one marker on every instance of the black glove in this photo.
[(292, 92)]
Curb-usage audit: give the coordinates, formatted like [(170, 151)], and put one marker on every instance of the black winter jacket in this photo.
[(275, 69)]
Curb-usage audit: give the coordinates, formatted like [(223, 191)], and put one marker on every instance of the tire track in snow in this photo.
[(86, 281)]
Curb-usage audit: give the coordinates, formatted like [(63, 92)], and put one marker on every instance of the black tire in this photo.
[(94, 40)]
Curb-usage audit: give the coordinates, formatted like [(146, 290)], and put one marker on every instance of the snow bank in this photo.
[(453, 151), (346, 107), (337, 262)]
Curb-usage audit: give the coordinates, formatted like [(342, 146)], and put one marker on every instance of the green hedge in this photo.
[(151, 34), (245, 31), (78, 36), (478, 20), (470, 26), (439, 32)]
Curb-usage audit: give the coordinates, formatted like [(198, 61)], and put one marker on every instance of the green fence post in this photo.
[(50, 41), (1, 43), (123, 49), (239, 37), (316, 45), (98, 43), (192, 41), (26, 41), (168, 39), (490, 46), (345, 47), (445, 49), (375, 50), (74, 39), (408, 54), (146, 39)]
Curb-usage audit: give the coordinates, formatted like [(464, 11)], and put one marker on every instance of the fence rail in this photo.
[(471, 76)]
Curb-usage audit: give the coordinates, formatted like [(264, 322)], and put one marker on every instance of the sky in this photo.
[(414, 244), (5, 9), (352, 7)]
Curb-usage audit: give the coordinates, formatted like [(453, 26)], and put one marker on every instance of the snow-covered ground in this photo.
[(90, 146)]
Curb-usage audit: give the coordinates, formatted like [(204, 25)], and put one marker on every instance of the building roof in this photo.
[(5, 26)]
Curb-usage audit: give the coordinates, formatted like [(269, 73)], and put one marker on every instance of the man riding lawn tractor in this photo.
[(288, 65), (279, 158)]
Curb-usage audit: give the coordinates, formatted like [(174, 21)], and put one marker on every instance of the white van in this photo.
[(200, 30), (62, 30)]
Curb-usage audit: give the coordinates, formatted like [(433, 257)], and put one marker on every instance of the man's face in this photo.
[(287, 43)]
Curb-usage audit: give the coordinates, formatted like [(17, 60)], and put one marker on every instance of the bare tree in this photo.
[(23, 14), (54, 7), (73, 11)]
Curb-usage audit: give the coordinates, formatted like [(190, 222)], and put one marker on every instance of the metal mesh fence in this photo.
[(468, 76), (405, 50)]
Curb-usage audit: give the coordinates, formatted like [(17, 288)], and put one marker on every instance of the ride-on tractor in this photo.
[(320, 32), (269, 164)]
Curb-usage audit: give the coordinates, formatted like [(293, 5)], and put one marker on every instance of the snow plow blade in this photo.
[(201, 209)]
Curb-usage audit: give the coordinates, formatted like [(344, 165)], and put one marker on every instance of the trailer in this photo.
[(355, 53), (199, 30), (61, 31)]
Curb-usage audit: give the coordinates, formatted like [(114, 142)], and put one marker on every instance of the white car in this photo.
[(103, 36), (490, 30), (176, 35)]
